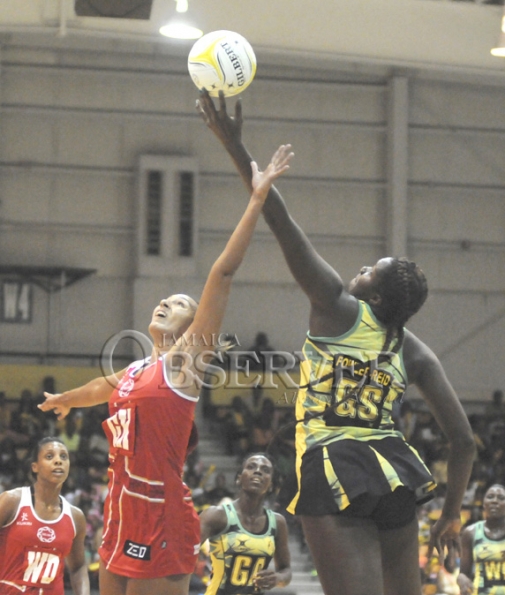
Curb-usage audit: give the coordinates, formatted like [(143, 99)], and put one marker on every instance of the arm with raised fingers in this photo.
[(316, 277)]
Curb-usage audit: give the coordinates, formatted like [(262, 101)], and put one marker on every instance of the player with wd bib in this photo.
[(40, 531)]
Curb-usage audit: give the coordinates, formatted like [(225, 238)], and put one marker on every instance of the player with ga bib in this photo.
[(40, 531), (244, 536)]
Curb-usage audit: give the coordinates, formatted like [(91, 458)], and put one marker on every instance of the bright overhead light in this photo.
[(182, 6), (180, 30), (499, 50)]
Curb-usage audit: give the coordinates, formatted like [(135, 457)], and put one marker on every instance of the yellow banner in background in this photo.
[(14, 378)]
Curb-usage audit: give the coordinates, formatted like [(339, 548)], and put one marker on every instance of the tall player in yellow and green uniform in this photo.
[(482, 568), (358, 480), (245, 536)]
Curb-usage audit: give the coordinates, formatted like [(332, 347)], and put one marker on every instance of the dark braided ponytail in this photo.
[(403, 289)]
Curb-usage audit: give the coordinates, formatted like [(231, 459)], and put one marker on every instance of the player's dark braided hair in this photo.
[(403, 289)]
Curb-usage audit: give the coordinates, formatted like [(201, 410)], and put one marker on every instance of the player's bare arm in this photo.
[(425, 371), (318, 279), (9, 502), (76, 560), (212, 521), (95, 392)]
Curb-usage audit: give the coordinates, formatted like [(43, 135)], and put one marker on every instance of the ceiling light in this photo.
[(182, 6), (499, 51), (181, 28)]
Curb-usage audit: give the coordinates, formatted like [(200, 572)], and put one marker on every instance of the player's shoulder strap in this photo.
[(26, 497), (231, 515), (479, 534), (272, 521)]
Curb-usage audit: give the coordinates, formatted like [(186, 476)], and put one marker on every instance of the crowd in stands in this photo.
[(244, 426)]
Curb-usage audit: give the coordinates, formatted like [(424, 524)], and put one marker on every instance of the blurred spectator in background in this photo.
[(219, 491), (48, 385), (72, 440), (447, 578), (407, 421), (264, 426), (261, 345), (26, 420), (236, 427), (481, 436), (438, 467), (71, 437), (495, 409), (9, 464), (5, 415)]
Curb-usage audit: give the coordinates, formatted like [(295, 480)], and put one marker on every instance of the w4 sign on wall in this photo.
[(16, 301)]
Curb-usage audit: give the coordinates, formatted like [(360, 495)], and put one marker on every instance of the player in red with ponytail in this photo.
[(151, 534)]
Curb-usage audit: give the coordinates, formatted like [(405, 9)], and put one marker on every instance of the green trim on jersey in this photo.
[(489, 560), (238, 555)]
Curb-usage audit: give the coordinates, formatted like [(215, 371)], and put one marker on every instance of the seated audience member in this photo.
[(9, 463), (219, 491), (264, 426), (5, 415), (257, 359), (26, 420), (495, 409), (236, 427)]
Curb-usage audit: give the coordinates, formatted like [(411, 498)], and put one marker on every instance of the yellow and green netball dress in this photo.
[(347, 389), (489, 560), (237, 555)]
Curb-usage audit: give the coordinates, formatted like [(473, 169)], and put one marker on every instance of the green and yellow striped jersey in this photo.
[(238, 555), (489, 560), (348, 385)]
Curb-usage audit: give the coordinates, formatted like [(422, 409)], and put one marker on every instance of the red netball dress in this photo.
[(32, 550), (151, 529)]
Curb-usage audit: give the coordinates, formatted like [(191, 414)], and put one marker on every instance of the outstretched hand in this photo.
[(226, 128), (262, 180), (53, 403)]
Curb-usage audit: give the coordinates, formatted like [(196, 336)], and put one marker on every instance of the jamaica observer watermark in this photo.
[(202, 368)]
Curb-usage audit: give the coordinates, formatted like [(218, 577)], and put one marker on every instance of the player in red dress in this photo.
[(40, 530), (151, 531)]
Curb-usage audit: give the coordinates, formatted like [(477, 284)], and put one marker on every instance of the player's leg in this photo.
[(170, 585), (400, 560), (346, 553), (110, 583)]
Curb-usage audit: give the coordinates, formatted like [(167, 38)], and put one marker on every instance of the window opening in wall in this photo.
[(186, 209), (168, 215), (154, 203)]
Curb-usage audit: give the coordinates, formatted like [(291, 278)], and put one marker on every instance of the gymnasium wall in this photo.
[(75, 117)]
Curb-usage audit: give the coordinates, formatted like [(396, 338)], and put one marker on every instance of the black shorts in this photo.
[(382, 480)]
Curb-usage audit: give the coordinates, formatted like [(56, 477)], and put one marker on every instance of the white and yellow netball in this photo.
[(222, 61)]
